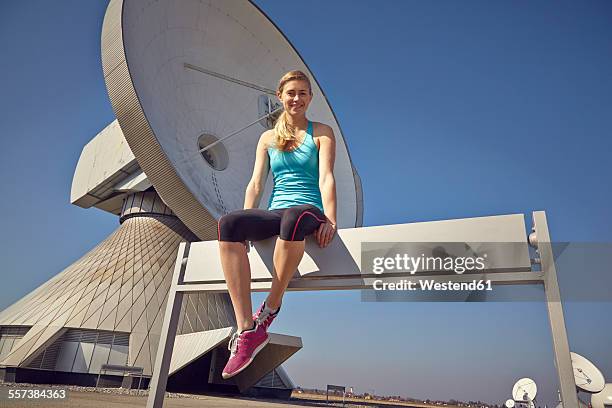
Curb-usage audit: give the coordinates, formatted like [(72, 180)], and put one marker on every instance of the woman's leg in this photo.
[(287, 256), (234, 229), (297, 222), (237, 272)]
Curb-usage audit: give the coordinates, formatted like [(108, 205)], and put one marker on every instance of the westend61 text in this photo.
[(430, 284)]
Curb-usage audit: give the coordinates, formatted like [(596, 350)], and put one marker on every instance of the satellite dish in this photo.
[(182, 75), (524, 390), (603, 398), (587, 377), (510, 403)]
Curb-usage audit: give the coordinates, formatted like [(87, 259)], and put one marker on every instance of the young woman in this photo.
[(301, 155)]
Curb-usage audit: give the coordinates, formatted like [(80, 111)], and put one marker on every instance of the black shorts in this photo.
[(254, 224)]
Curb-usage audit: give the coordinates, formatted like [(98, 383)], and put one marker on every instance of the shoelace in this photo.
[(233, 343), (263, 317)]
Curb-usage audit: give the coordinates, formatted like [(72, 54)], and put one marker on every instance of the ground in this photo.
[(88, 397)]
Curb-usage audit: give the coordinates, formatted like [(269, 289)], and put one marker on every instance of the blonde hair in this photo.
[(284, 132)]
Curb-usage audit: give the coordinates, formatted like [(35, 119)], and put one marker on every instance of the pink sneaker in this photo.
[(244, 347), (264, 317)]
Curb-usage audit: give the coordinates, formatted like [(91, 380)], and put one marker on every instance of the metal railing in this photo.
[(123, 369)]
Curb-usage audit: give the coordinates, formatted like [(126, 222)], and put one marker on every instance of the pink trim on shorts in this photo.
[(298, 221)]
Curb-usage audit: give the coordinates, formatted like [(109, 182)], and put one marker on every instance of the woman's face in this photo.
[(295, 97)]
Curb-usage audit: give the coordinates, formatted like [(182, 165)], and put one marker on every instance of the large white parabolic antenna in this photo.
[(182, 74), (524, 389), (588, 377)]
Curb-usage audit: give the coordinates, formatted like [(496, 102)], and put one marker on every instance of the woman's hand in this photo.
[(325, 233)]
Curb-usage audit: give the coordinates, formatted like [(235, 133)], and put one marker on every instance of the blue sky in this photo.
[(450, 109)]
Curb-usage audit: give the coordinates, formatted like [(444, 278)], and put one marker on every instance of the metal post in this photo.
[(213, 365), (140, 381), (563, 361), (159, 380)]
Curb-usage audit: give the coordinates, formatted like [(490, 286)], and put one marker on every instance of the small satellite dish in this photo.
[(524, 389), (587, 377), (603, 398), (510, 403)]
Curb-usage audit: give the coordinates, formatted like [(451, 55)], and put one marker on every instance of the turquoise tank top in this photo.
[(296, 175)]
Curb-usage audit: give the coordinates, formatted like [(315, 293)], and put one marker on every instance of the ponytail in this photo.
[(284, 132)]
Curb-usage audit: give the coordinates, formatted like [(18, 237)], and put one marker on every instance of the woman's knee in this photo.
[(298, 222), (229, 228)]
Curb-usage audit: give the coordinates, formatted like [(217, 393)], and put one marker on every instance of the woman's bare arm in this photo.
[(327, 183), (254, 190)]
